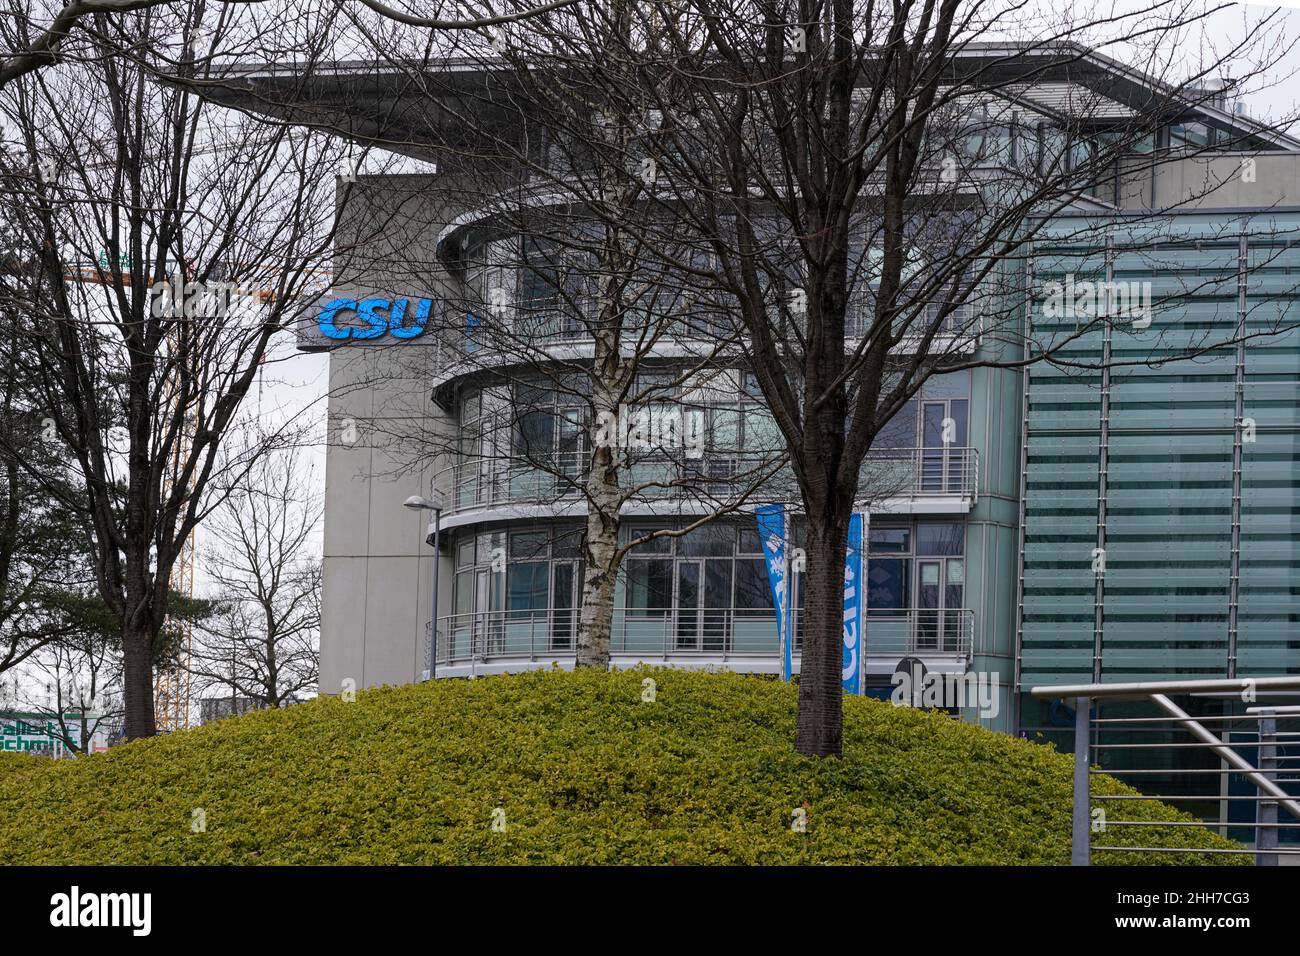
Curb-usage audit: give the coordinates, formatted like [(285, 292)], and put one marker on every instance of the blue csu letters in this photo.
[(380, 317)]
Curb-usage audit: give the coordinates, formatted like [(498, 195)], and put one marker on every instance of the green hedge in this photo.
[(583, 770)]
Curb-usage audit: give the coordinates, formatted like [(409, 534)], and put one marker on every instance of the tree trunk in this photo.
[(271, 687), (820, 721), (137, 682), (596, 618)]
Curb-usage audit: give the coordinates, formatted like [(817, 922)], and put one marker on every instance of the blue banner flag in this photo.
[(853, 587), (771, 531)]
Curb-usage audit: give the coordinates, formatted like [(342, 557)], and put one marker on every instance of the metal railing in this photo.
[(539, 320), (546, 634), (1252, 756), (963, 324), (531, 321), (910, 473)]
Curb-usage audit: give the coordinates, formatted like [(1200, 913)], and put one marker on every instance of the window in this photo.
[(761, 431), (488, 544), (536, 434), (470, 407), (526, 587), (717, 583), (958, 409), (899, 433), (753, 592), (889, 575), (539, 282), (654, 387), (711, 540), (943, 442), (707, 579), (463, 599), (889, 540), (660, 545), (940, 538), (529, 545), (888, 593), (748, 541), (649, 586), (568, 542), (723, 428), (1189, 134)]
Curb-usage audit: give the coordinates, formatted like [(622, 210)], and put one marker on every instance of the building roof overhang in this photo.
[(440, 105)]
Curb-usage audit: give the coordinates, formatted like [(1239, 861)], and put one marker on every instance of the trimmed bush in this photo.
[(583, 771)]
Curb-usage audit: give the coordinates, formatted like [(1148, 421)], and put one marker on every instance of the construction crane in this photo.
[(173, 685)]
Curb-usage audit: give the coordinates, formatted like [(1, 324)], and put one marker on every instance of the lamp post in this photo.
[(415, 502)]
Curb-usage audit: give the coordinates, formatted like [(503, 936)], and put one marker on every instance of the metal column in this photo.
[(1081, 817)]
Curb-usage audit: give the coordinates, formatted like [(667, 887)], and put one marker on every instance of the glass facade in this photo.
[(1162, 498), (1160, 534), (706, 590)]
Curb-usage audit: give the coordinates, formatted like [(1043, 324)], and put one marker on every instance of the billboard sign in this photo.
[(41, 733), (771, 531)]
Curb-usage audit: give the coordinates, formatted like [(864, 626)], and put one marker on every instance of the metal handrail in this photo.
[(1143, 689), (484, 482), (1262, 772), (667, 633)]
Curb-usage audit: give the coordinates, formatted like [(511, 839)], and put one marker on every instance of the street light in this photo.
[(416, 503)]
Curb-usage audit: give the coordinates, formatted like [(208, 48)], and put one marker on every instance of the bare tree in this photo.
[(263, 644), (30, 45), (168, 242), (31, 42), (81, 677), (554, 307), (861, 178)]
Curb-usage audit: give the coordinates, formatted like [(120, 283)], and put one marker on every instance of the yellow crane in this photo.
[(173, 685)]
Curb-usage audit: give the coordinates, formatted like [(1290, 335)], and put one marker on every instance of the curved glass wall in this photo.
[(710, 438), (518, 589)]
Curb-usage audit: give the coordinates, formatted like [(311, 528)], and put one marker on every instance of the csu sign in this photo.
[(371, 318)]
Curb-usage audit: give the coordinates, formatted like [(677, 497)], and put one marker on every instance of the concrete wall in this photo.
[(1222, 181), (378, 569), (386, 440)]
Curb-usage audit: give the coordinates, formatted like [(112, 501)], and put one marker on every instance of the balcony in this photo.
[(902, 480), (741, 640), (958, 333), (524, 328)]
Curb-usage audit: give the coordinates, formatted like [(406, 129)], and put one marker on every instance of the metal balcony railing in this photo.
[(1237, 771), (534, 322), (528, 321), (908, 473), (963, 322), (546, 634)]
